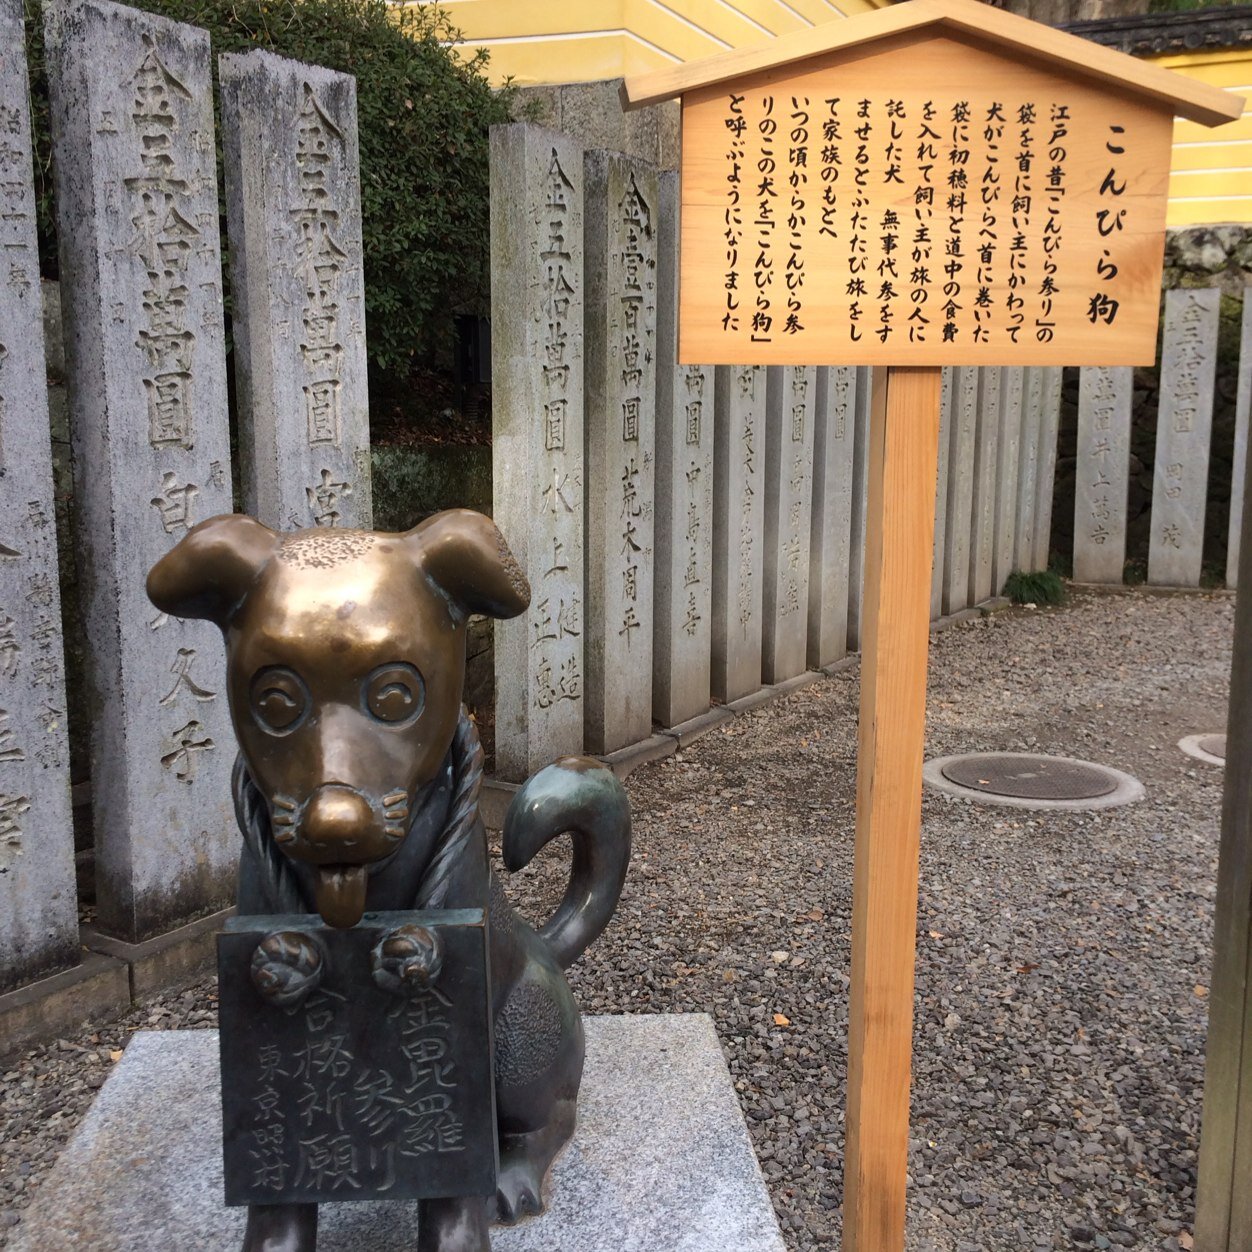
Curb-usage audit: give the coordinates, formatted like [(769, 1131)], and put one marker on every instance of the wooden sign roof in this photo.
[(939, 183), (1033, 41)]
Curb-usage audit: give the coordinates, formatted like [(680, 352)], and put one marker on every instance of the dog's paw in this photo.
[(286, 967), (407, 960), (518, 1190)]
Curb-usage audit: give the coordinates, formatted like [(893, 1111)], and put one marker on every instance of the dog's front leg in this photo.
[(453, 1225), (281, 1228)]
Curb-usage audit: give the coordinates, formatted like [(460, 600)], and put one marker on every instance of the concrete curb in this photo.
[(97, 988)]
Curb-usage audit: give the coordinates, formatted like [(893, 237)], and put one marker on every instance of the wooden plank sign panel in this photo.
[(921, 200)]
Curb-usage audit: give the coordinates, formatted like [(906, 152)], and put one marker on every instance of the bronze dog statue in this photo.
[(356, 788)]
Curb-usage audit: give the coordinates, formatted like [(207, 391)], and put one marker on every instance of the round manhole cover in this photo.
[(1214, 745), (1030, 778)]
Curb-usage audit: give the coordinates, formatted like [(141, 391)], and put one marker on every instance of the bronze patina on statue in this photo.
[(390, 1028)]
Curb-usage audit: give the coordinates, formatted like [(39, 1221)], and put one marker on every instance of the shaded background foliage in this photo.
[(423, 113)]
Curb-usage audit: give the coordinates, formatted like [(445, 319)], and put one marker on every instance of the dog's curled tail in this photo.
[(578, 795)]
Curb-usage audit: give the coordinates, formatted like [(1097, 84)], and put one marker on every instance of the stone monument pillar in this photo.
[(791, 394), (537, 434), (620, 277), (684, 499), (132, 127), (38, 898), (738, 529), (830, 542), (293, 203)]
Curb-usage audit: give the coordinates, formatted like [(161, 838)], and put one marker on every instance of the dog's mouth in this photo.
[(342, 835), (339, 892)]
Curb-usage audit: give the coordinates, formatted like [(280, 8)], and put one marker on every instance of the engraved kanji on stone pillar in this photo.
[(537, 438), (293, 202), (1184, 426), (132, 126), (1102, 473), (38, 899), (620, 276), (791, 392), (738, 529), (684, 498)]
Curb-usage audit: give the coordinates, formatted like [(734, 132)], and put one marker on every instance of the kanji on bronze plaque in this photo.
[(356, 1091)]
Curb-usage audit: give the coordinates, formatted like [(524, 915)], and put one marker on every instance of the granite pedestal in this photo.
[(661, 1159)]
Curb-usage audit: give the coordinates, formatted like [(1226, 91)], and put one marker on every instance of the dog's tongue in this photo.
[(341, 894)]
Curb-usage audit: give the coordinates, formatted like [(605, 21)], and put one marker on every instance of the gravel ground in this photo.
[(1063, 957)]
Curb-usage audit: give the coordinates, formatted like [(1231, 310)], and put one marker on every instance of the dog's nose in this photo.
[(336, 817)]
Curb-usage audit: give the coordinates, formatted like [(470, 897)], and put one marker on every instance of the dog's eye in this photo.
[(395, 693), (279, 699)]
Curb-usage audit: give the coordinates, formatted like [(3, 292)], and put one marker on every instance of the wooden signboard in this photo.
[(1000, 214), (939, 183), (936, 183)]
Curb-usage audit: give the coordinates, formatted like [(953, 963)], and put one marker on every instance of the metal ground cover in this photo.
[(1030, 780)]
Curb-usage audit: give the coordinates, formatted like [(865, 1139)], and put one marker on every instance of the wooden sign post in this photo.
[(937, 183)]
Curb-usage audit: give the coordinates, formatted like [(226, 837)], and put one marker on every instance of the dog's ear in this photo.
[(466, 557), (210, 570)]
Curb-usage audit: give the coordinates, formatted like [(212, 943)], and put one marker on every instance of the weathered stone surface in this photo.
[(830, 541), (1028, 468), (860, 501), (537, 438), (738, 529), (1183, 430), (38, 899), (1009, 457), (1102, 474), (132, 124), (620, 281), (1243, 413), (986, 463), (939, 550), (661, 1147), (682, 638), (791, 392), (1045, 478), (962, 440), (293, 206)]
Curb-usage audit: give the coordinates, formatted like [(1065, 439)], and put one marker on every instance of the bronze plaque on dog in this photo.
[(356, 1064)]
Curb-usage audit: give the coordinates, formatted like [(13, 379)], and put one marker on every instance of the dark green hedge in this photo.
[(423, 116)]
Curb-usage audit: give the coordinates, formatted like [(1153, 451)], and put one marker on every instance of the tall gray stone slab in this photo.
[(947, 395), (1045, 478), (293, 208), (860, 504), (538, 469), (830, 538), (132, 126), (1028, 467), (986, 464), (1009, 458), (738, 529), (1243, 412), (38, 898), (962, 440), (682, 637), (620, 280), (1102, 473), (1184, 426), (791, 393)]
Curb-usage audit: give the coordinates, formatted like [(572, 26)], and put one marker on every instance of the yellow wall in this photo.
[(1211, 171), (567, 41), (546, 41)]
